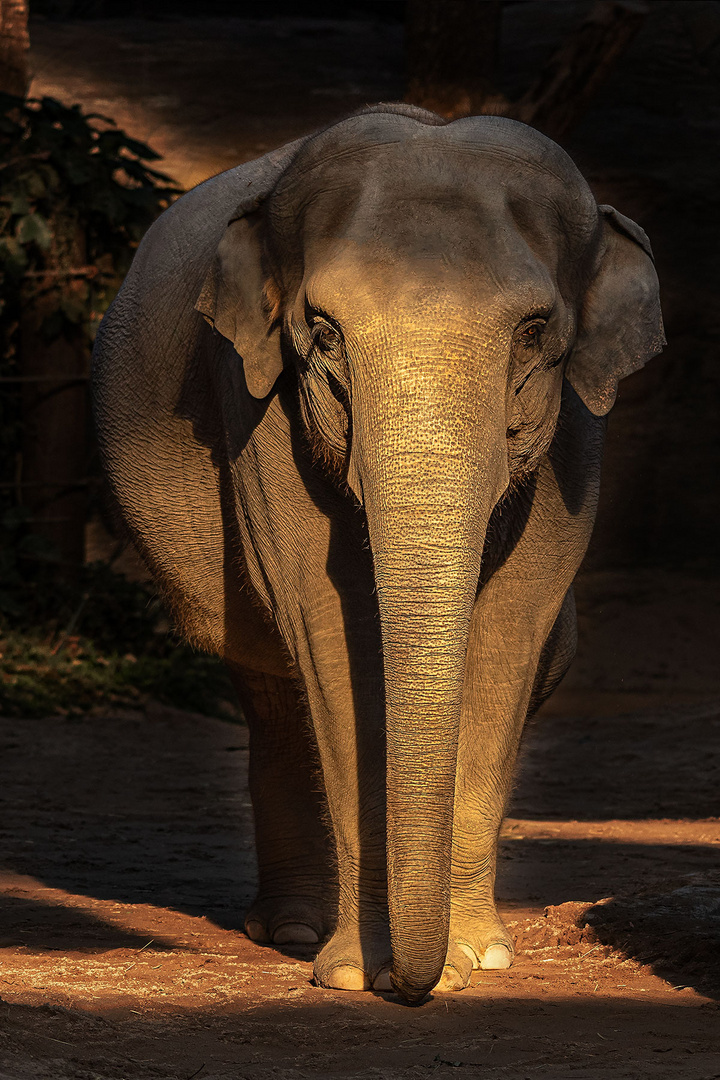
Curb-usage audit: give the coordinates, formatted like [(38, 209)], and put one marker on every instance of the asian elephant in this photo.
[(350, 400)]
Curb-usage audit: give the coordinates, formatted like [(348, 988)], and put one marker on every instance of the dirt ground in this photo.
[(128, 862), (126, 839)]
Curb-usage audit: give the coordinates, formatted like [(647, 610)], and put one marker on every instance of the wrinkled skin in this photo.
[(356, 434)]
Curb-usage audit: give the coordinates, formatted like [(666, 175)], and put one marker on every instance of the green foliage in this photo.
[(76, 197), (96, 640), (70, 184)]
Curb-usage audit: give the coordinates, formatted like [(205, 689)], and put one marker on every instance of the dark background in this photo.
[(647, 143), (387, 10)]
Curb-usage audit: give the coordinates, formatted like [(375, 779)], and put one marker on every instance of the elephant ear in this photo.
[(620, 326), (238, 296)]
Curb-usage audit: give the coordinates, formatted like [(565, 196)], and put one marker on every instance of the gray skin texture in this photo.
[(351, 399)]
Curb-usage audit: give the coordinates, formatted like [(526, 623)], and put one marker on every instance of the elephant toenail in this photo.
[(295, 934), (347, 977), (255, 930), (470, 953), (497, 957)]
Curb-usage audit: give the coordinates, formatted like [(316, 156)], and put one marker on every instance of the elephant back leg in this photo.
[(297, 883), (557, 654)]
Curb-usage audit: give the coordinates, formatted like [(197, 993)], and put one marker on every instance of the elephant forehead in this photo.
[(361, 279), (468, 163), (455, 203), (393, 138)]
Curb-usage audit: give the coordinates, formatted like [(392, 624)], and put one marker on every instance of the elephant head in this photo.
[(427, 287)]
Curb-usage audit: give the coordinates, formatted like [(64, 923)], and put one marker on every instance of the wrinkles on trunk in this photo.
[(427, 513)]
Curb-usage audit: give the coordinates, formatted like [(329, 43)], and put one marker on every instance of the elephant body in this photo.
[(350, 399)]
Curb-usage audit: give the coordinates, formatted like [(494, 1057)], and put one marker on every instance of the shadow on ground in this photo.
[(153, 808), (135, 817), (656, 764), (46, 927), (519, 1036)]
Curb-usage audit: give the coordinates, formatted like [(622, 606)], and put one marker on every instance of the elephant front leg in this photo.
[(519, 650), (358, 956), (345, 693), (514, 663), (521, 642), (496, 702), (297, 880), (507, 674)]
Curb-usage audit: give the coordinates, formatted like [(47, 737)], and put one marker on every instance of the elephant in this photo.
[(351, 403)]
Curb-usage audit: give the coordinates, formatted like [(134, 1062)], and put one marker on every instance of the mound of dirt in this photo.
[(672, 928), (561, 925), (675, 928)]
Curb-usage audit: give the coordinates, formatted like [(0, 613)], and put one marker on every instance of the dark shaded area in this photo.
[(644, 146), (637, 766), (675, 928), (620, 1038), (556, 870), (451, 48), (141, 808), (389, 10)]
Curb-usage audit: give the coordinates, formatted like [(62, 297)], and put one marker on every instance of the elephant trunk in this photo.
[(429, 486)]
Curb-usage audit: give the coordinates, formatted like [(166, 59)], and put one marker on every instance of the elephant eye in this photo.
[(530, 333), (325, 337)]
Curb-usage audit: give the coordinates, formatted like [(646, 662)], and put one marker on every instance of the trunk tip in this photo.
[(411, 991)]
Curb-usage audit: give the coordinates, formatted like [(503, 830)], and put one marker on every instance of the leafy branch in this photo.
[(70, 180)]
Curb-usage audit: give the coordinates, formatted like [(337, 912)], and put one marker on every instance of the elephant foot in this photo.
[(355, 960), (488, 947), (286, 921)]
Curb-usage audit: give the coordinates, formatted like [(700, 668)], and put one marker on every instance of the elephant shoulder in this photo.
[(184, 238), (177, 249)]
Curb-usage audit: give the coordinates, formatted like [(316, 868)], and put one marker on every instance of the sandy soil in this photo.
[(128, 862), (127, 838)]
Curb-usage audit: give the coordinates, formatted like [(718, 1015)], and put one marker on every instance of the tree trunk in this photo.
[(55, 419), (14, 44), (452, 48)]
